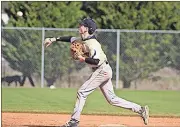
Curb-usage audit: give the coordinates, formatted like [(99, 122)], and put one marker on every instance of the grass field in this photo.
[(161, 103)]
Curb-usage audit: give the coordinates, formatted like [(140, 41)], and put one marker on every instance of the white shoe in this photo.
[(71, 123), (145, 114)]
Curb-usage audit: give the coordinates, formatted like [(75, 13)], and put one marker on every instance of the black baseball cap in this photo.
[(88, 22)]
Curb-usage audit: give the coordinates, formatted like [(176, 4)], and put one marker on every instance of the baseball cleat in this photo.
[(71, 123), (145, 114)]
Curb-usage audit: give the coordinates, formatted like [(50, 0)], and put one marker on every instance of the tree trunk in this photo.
[(126, 83), (50, 82), (31, 81), (69, 80), (23, 80)]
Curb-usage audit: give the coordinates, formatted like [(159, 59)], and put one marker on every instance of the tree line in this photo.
[(140, 54)]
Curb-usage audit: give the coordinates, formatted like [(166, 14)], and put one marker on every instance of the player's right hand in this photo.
[(49, 41)]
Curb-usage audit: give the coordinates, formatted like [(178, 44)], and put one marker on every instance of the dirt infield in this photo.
[(50, 120)]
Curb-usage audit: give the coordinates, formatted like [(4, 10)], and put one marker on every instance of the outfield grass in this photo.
[(161, 103)]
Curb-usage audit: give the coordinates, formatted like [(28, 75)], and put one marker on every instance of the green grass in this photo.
[(161, 103)]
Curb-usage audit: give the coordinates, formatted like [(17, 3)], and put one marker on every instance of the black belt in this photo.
[(94, 68)]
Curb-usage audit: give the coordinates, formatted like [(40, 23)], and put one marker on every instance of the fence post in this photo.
[(117, 59), (42, 59)]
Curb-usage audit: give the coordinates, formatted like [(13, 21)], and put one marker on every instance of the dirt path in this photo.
[(45, 120)]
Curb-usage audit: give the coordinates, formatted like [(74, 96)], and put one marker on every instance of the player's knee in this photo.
[(112, 101), (81, 94)]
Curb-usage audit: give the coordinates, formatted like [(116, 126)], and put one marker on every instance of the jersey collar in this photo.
[(90, 37)]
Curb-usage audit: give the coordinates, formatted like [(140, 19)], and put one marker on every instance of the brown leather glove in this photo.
[(78, 48)]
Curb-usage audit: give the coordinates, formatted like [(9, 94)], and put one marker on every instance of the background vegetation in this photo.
[(145, 15), (139, 57)]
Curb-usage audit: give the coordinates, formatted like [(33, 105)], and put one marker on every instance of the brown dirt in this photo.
[(45, 120)]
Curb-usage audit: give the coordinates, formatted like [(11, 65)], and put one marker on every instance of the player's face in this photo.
[(82, 29)]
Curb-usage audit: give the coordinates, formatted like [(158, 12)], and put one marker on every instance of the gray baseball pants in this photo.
[(101, 77)]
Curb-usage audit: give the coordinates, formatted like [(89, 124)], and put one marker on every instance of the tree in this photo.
[(134, 15), (40, 14), (174, 56), (19, 49), (143, 53), (45, 14)]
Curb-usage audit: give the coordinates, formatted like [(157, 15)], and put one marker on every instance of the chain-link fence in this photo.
[(134, 55)]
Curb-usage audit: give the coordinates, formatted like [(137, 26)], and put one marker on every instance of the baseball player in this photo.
[(101, 76)]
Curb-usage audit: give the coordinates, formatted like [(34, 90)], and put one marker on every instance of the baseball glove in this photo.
[(78, 48)]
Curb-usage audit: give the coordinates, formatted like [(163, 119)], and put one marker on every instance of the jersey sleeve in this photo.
[(74, 38)]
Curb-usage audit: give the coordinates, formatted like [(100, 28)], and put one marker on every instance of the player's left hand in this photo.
[(81, 58)]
